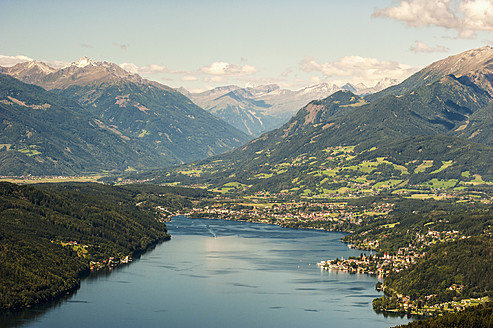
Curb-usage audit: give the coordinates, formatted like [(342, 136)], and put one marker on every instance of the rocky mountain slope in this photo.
[(45, 134), (439, 130), (475, 64), (139, 111), (451, 105), (256, 110)]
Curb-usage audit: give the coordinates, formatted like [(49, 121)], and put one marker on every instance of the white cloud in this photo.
[(130, 67), (189, 78), (421, 13), (478, 14), (150, 69), (360, 69), (309, 64), (217, 72), (466, 16), (7, 61), (213, 79), (286, 72), (153, 69), (199, 90), (223, 68), (423, 47)]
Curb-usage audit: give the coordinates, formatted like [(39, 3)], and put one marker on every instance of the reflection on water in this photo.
[(217, 273)]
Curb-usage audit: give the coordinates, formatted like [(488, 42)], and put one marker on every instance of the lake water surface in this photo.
[(216, 273)]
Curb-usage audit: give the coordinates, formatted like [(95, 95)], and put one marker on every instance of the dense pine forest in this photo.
[(461, 269), (51, 235), (474, 317)]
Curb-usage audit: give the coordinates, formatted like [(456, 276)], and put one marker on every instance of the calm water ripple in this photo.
[(217, 273)]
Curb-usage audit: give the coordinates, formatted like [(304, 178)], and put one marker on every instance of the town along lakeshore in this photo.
[(224, 273)]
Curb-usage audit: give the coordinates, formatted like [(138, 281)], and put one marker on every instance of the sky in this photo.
[(200, 45)]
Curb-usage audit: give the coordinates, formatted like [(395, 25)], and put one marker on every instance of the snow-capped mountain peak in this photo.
[(40, 66), (385, 83), (322, 87), (28, 71), (82, 62), (84, 71), (317, 91)]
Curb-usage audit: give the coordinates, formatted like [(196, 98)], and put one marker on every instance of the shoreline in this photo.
[(80, 276)]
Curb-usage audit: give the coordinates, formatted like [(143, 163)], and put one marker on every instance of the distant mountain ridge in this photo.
[(84, 71), (258, 109), (476, 64), (433, 129), (138, 111), (28, 72), (45, 134), (448, 105)]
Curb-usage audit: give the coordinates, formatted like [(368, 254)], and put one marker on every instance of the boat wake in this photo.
[(211, 231)]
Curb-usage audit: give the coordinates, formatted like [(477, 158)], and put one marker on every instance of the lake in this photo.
[(216, 273)]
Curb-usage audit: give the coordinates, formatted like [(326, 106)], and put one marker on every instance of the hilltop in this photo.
[(163, 124), (46, 134)]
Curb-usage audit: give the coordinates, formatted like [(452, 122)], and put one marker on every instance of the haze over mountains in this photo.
[(161, 125), (255, 110)]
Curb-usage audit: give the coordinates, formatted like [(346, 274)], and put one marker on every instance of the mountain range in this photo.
[(255, 110), (435, 126), (120, 121), (46, 134), (456, 102), (150, 125)]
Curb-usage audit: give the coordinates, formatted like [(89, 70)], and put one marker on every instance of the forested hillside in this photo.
[(475, 317), (42, 133), (124, 122), (50, 235), (460, 269)]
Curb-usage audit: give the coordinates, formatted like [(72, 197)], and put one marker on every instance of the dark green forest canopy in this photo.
[(414, 217), (474, 317), (36, 221), (466, 262)]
